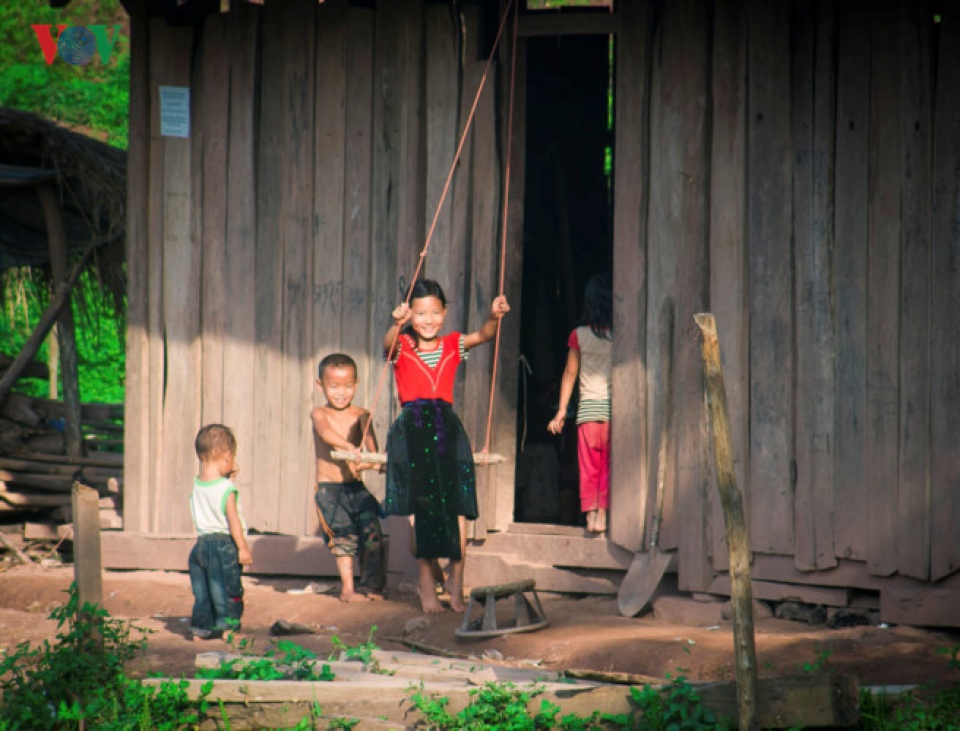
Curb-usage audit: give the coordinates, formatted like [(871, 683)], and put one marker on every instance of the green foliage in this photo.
[(676, 708), (820, 664), (79, 680), (362, 652), (288, 662), (504, 706), (94, 96), (935, 707), (101, 352)]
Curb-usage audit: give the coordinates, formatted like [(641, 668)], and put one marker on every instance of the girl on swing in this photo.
[(430, 470)]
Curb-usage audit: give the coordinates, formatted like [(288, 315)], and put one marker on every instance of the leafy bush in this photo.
[(80, 679)]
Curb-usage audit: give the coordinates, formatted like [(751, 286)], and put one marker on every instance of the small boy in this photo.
[(221, 547), (347, 511)]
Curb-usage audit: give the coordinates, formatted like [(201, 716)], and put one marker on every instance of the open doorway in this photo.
[(567, 239)]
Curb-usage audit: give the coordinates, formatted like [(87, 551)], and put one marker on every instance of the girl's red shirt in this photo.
[(417, 380)]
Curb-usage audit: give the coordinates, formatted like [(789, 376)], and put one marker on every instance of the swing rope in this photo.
[(486, 458)]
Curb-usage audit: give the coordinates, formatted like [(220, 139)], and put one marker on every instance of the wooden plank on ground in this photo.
[(813, 139), (297, 475), (728, 263), (916, 119), (798, 701), (945, 304), (850, 292), (684, 177), (264, 503), (629, 449), (210, 136), (239, 266), (180, 307), (771, 323), (883, 292)]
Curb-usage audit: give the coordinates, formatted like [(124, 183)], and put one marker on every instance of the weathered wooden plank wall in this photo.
[(808, 198)]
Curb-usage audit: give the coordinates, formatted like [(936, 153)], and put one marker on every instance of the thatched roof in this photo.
[(91, 178)]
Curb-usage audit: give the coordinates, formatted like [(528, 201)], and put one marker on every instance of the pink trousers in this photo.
[(593, 451)]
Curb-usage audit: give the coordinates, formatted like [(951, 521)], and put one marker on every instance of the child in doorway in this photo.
[(430, 470), (347, 511), (221, 547), (590, 357)]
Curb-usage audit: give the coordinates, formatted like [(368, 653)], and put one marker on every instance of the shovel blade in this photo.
[(641, 580)]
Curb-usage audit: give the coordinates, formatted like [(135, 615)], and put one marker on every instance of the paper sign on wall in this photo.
[(174, 111)]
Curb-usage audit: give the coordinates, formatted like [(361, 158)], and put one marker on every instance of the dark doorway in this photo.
[(567, 239)]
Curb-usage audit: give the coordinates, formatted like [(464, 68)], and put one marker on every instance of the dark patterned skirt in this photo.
[(430, 475)]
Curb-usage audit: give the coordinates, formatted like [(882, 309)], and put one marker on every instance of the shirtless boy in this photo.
[(347, 511)]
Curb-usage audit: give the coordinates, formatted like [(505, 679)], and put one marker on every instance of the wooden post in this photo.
[(86, 545), (33, 343), (741, 599), (66, 336), (53, 360)]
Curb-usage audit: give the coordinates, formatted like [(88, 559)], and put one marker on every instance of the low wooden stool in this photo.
[(528, 615)]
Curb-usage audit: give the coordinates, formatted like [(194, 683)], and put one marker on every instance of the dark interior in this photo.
[(567, 239)]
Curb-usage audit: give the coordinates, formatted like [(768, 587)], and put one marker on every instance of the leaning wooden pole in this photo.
[(30, 348), (66, 334), (745, 653)]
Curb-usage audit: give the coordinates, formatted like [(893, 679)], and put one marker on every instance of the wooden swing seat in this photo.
[(480, 458)]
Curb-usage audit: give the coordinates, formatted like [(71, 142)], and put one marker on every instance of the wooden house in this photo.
[(790, 166)]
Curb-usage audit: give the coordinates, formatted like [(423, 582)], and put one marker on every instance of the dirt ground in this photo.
[(583, 632)]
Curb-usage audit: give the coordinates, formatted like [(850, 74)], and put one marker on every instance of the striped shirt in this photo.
[(432, 357)]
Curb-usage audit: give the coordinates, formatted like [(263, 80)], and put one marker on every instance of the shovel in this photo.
[(646, 569)]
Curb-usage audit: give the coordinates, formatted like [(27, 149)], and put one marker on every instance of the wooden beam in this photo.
[(87, 569), (568, 24)]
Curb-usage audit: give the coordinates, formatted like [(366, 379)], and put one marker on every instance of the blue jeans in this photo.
[(217, 589)]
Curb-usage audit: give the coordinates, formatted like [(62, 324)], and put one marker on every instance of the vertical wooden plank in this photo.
[(239, 264), (210, 207), (813, 125), (411, 227), (485, 253), (163, 43), (913, 484), (296, 383), (685, 177), (628, 475), (445, 260), (945, 304), (386, 179), (329, 172), (357, 190), (499, 485), (771, 331), (883, 272), (136, 422), (850, 293), (728, 256), (180, 308), (268, 259)]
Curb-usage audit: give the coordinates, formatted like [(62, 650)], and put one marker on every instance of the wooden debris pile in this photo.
[(36, 476)]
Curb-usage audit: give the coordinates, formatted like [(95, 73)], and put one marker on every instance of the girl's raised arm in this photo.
[(498, 309)]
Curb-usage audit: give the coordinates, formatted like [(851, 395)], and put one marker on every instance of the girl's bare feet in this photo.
[(427, 587), (591, 520), (351, 596)]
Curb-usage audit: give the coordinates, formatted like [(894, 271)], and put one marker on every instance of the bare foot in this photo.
[(429, 602), (352, 597), (373, 596), (600, 522), (591, 521), (196, 639), (456, 602)]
